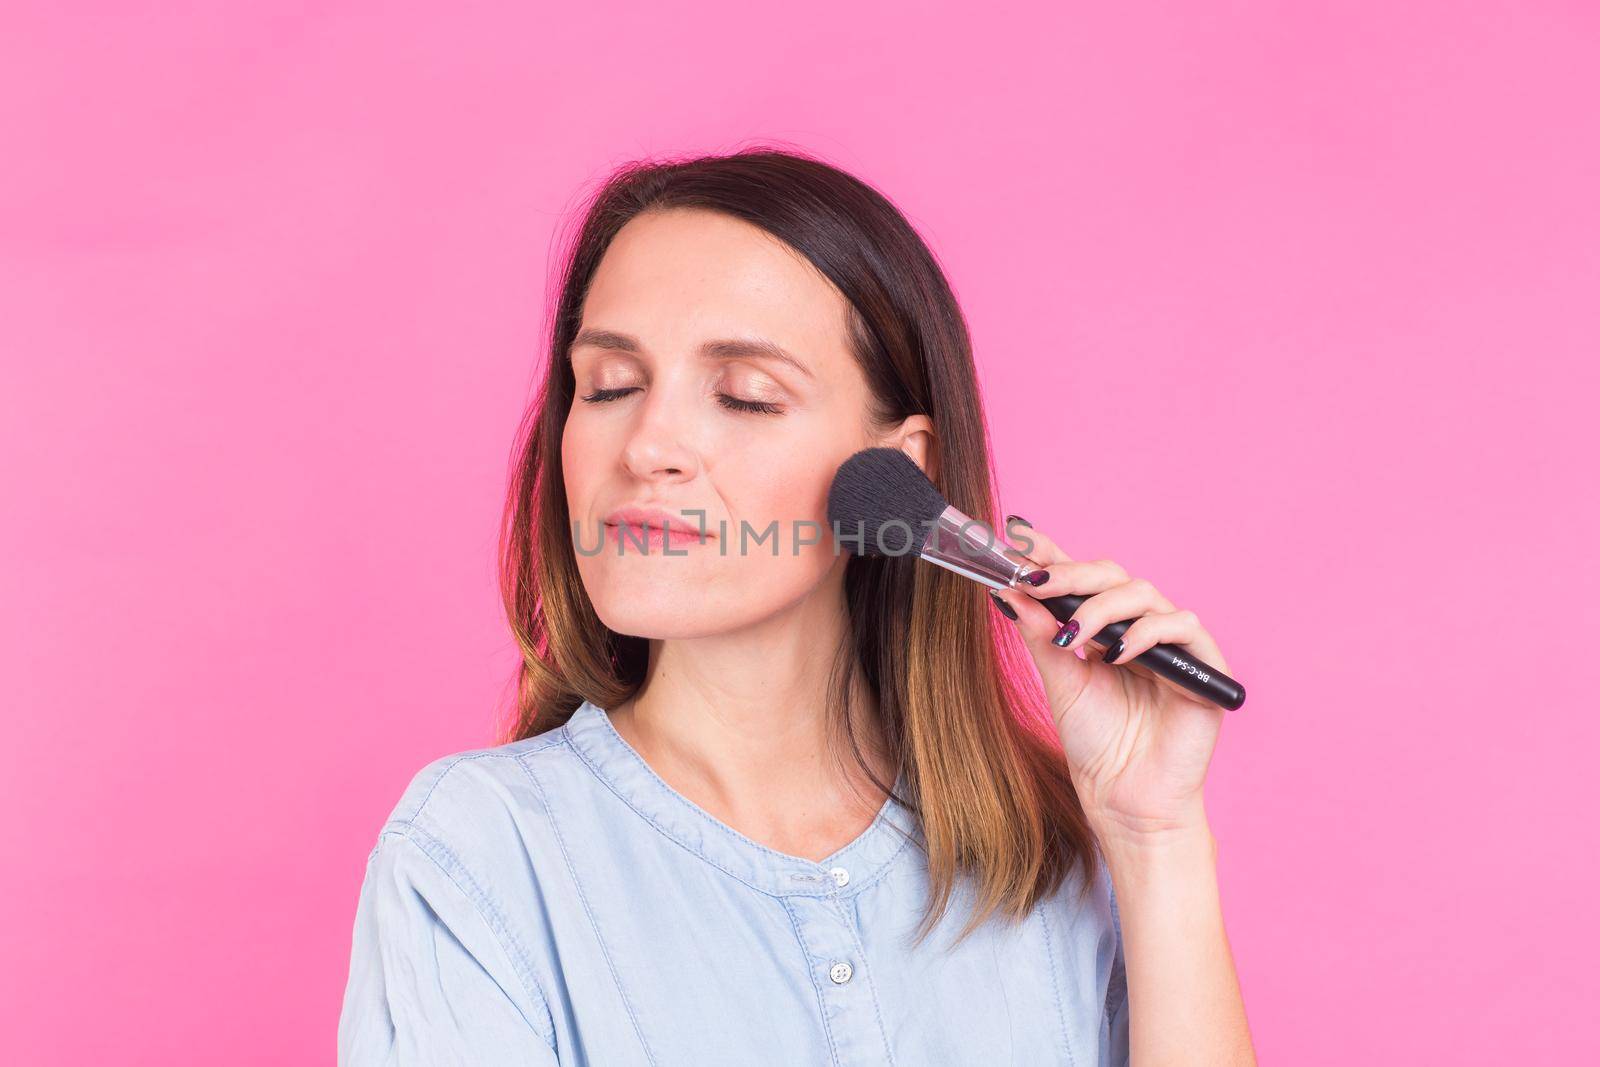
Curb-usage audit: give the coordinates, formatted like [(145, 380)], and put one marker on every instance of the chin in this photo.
[(664, 617), (667, 602), (655, 598)]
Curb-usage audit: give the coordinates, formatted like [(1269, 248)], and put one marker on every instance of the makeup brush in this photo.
[(881, 504)]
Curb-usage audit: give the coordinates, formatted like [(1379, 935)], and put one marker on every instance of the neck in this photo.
[(738, 723)]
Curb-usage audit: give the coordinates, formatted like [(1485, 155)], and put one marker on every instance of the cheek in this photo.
[(782, 503), (784, 485), (577, 459)]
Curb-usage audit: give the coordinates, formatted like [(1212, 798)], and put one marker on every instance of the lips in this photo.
[(653, 527)]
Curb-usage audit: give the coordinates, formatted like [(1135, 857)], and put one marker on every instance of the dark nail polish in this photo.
[(1017, 518), (1005, 609), (1114, 651), (1064, 636), (1036, 578)]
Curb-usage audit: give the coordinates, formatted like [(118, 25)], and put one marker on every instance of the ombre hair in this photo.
[(958, 700)]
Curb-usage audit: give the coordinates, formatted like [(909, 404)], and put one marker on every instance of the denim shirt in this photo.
[(554, 901)]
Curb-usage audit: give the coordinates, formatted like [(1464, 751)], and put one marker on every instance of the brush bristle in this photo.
[(874, 487)]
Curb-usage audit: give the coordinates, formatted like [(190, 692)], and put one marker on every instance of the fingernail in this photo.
[(1064, 636), (1036, 578), (1114, 651), (1005, 609), (1017, 518)]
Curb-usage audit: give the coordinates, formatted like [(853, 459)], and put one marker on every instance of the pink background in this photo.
[(1295, 312)]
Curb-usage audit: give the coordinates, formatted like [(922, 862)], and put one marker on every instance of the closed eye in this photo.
[(600, 396), (760, 407), (732, 403)]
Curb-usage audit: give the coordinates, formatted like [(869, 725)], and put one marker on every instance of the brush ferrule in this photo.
[(974, 550)]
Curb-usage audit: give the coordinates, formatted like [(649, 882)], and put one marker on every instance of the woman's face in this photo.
[(673, 331)]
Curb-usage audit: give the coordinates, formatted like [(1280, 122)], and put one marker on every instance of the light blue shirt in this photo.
[(554, 901)]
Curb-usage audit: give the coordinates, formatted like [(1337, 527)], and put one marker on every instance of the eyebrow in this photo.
[(722, 349)]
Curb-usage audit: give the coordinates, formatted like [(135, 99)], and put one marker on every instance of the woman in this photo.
[(766, 802)]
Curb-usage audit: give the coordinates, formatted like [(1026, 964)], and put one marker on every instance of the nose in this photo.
[(655, 449)]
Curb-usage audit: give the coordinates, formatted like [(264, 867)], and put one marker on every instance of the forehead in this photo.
[(675, 278)]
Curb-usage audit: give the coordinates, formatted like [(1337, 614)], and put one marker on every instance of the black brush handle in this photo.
[(1169, 661)]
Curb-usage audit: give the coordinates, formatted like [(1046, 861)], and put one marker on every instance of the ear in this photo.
[(915, 437)]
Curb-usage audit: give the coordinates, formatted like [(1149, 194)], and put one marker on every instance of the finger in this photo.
[(1036, 623), (1002, 605), (1180, 628), (1083, 577), (1132, 599), (1145, 633), (1038, 626), (1034, 544)]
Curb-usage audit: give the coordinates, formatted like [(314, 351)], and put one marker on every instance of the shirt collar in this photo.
[(624, 771)]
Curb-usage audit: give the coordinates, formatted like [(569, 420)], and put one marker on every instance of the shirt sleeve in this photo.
[(431, 982)]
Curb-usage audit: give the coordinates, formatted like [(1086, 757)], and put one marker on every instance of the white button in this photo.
[(840, 875), (840, 972)]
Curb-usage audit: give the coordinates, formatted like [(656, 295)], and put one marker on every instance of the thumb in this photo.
[(1038, 629)]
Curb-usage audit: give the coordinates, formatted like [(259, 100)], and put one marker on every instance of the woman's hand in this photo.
[(1137, 744)]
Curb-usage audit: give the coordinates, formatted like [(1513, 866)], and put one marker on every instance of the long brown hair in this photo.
[(957, 703)]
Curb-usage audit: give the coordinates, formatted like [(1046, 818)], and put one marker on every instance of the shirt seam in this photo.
[(468, 757), (431, 848), (588, 910), (816, 983), (872, 987), (1055, 988), (883, 868), (664, 832), (721, 829)]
